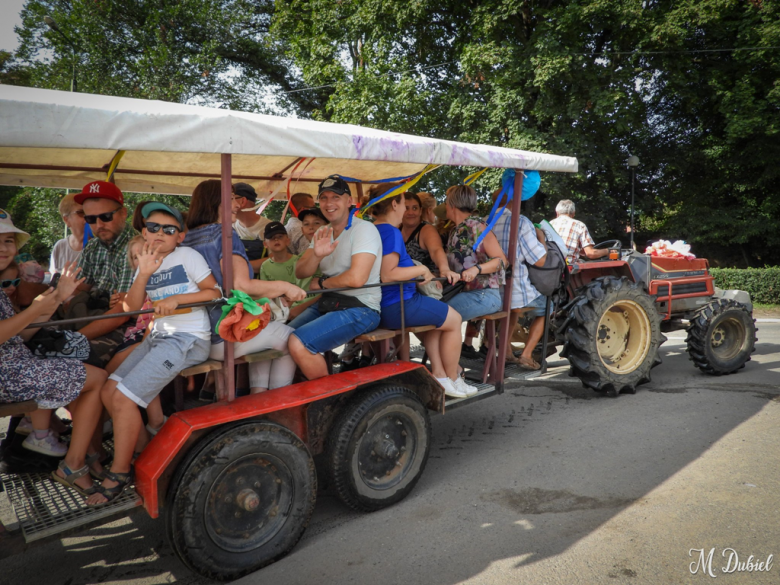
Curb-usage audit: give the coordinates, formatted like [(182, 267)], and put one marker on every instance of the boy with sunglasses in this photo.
[(171, 275)]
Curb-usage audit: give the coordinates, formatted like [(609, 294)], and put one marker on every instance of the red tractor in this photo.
[(613, 314)]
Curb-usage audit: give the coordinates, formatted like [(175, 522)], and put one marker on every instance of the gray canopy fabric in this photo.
[(62, 139)]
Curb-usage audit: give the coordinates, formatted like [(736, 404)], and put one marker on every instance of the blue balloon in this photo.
[(531, 183)]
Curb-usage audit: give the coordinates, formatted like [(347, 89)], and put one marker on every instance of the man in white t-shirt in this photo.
[(349, 254), (248, 225)]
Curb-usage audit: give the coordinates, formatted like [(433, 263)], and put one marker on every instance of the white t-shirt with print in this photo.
[(180, 273), (362, 237)]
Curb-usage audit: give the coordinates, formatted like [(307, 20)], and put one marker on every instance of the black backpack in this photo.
[(553, 274)]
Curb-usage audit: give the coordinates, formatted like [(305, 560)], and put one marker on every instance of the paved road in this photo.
[(548, 483)]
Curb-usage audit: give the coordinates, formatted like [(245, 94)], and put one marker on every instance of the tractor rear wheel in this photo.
[(612, 333), (721, 337)]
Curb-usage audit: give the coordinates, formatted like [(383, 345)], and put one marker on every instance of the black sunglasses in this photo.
[(10, 283), (104, 217), (168, 230)]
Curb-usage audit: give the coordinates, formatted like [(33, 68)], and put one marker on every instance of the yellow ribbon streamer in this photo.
[(114, 163), (402, 188), (473, 177)]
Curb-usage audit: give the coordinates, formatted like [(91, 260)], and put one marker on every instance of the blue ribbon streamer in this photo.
[(530, 187), (87, 234)]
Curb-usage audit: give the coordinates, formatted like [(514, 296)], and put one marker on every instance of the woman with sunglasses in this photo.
[(204, 221), (50, 382), (68, 249)]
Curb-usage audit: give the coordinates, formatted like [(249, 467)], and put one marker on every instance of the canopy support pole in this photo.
[(507, 325), (227, 391)]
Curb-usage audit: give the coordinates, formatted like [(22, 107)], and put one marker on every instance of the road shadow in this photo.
[(519, 478)]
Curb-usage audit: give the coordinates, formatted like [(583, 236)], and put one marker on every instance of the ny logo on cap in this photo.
[(94, 188)]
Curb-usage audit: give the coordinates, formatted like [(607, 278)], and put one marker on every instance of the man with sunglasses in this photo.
[(104, 263)]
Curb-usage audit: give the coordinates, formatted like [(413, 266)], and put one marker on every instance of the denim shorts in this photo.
[(418, 310), (475, 303), (319, 333), (156, 362), (537, 305)]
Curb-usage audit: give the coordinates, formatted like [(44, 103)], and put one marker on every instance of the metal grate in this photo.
[(45, 507)]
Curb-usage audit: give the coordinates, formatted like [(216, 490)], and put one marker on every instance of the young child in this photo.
[(133, 337), (171, 276), (281, 263), (311, 220)]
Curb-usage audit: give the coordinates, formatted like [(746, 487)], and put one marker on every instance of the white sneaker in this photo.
[(24, 427), (450, 389), (49, 445), (467, 389)]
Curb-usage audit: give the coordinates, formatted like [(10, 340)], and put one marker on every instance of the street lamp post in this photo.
[(633, 163), (53, 26)]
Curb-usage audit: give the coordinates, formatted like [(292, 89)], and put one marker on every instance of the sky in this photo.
[(9, 17)]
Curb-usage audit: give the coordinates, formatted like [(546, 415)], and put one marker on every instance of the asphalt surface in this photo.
[(548, 483)]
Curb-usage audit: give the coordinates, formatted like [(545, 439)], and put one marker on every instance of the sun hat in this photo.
[(7, 227)]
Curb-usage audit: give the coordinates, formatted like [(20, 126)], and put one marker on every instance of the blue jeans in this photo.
[(319, 333), (475, 303)]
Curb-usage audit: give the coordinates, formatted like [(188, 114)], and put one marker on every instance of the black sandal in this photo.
[(123, 480)]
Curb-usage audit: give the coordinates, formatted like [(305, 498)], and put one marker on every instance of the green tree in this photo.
[(596, 79), (215, 52)]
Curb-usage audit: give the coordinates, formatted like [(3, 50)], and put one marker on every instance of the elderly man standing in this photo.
[(349, 254), (248, 225), (574, 233), (105, 265)]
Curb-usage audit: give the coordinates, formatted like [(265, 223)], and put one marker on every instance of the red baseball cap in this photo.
[(100, 190)]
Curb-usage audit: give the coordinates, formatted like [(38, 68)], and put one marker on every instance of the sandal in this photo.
[(528, 364), (71, 476), (153, 431), (124, 481), (95, 458)]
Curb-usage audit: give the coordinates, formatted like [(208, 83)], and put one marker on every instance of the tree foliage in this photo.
[(666, 80), (216, 52), (595, 79)]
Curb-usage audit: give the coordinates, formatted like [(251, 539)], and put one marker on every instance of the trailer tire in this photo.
[(378, 448), (242, 501), (612, 332), (721, 337)]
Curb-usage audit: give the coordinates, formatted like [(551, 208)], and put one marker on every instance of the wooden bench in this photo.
[(17, 408), (216, 366), (380, 341)]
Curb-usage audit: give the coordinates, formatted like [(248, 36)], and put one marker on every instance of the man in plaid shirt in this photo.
[(525, 298), (574, 233), (105, 265)]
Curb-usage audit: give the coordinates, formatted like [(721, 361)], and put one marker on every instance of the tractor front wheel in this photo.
[(721, 337), (612, 332)]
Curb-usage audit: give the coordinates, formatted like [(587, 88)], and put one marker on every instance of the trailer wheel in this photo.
[(241, 501), (721, 337), (612, 332), (378, 448)]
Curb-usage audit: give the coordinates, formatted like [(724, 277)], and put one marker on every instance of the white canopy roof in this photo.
[(62, 139)]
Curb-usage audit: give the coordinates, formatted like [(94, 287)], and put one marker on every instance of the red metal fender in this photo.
[(165, 446)]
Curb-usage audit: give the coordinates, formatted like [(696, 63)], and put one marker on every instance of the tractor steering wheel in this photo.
[(609, 244)]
